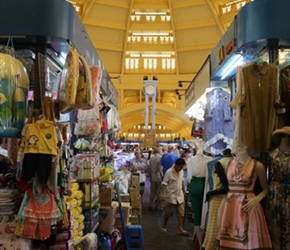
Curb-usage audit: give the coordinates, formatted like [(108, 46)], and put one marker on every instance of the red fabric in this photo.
[(23, 184)]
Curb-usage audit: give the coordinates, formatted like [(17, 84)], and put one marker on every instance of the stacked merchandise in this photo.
[(10, 199), (45, 219), (44, 215), (85, 171), (9, 204), (86, 167), (89, 241), (74, 202), (93, 122), (135, 199), (91, 219), (107, 210)]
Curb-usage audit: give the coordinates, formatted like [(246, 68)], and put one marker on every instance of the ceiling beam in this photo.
[(125, 44), (191, 25), (172, 22), (153, 5), (113, 3), (105, 24), (189, 3), (87, 7), (162, 108), (195, 47), (214, 10), (108, 47), (229, 18)]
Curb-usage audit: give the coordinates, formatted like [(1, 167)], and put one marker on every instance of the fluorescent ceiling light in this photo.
[(150, 33), (236, 61), (134, 55), (150, 12), (155, 55), (150, 55)]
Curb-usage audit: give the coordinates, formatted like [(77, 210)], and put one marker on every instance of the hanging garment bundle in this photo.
[(14, 84), (76, 86)]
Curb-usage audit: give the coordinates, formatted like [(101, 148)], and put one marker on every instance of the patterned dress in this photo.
[(214, 204), (278, 200), (239, 229)]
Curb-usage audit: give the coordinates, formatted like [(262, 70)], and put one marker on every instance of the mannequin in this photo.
[(215, 197), (196, 172), (277, 203), (242, 222), (285, 143)]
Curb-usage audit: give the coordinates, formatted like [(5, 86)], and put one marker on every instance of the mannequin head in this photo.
[(241, 150), (242, 154), (279, 134)]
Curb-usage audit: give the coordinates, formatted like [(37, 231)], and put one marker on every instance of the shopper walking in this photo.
[(155, 177), (173, 195), (139, 165), (168, 159)]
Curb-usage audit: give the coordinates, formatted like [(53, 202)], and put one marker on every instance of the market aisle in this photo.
[(153, 238)]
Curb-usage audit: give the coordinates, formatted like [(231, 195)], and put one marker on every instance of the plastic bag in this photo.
[(96, 72), (69, 82), (142, 176), (84, 96), (14, 84), (88, 122)]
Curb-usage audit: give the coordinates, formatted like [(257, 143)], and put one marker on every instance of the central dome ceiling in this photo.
[(169, 39)]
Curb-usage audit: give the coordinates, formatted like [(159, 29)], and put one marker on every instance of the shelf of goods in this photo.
[(86, 167)]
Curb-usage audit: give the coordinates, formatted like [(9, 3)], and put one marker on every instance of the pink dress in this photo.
[(239, 229)]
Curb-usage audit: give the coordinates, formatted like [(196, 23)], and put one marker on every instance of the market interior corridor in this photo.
[(151, 224)]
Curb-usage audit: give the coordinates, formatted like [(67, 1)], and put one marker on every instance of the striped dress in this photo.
[(214, 204)]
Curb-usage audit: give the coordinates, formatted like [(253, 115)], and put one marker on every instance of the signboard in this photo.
[(223, 51), (198, 85)]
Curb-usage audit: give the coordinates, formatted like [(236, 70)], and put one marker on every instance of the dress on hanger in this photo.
[(238, 119), (285, 95), (218, 124), (239, 229), (209, 185), (258, 105)]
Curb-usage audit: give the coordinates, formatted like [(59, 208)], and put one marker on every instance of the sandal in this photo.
[(183, 233)]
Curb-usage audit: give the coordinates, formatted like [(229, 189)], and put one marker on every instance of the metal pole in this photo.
[(146, 111)]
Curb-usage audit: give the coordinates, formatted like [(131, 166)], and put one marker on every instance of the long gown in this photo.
[(214, 204), (239, 229), (278, 200)]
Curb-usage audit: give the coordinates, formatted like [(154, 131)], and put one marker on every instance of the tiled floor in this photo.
[(153, 239)]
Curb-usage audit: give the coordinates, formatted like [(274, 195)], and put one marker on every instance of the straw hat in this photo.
[(279, 133)]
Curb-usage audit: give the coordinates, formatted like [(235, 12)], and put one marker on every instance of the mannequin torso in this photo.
[(240, 214)]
